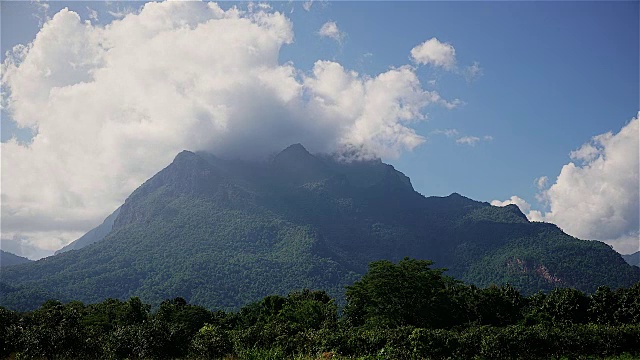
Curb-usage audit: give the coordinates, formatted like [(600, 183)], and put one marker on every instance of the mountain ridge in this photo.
[(10, 259), (223, 233)]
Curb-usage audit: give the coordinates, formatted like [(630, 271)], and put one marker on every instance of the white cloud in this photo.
[(446, 132), (473, 71), (111, 105), (42, 11), (525, 207), (118, 14), (542, 182), (330, 30), (599, 198), (307, 5), (464, 140), (468, 140), (93, 14), (435, 53)]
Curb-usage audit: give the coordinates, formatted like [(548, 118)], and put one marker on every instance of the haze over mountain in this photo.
[(94, 235), (632, 259), (8, 259), (223, 233)]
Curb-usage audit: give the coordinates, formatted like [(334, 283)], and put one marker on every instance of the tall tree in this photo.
[(392, 295)]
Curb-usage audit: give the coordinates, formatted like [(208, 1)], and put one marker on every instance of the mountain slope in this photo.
[(224, 233), (8, 259)]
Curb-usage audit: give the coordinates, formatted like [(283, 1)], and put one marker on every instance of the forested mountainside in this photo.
[(222, 234)]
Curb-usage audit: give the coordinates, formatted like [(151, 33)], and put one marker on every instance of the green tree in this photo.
[(54, 332), (628, 311), (603, 304), (566, 305), (211, 342), (183, 322), (8, 332), (499, 306), (409, 293)]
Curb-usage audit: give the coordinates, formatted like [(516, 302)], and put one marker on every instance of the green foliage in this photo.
[(53, 331), (292, 323), (390, 314), (211, 342), (407, 294), (8, 332)]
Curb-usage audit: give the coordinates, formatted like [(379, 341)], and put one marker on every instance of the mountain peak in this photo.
[(295, 151), (296, 147), (516, 210), (184, 154), (300, 165)]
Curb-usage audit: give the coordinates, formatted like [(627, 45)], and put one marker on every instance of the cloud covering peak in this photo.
[(111, 105)]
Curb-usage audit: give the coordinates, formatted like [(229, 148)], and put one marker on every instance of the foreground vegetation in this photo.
[(396, 311)]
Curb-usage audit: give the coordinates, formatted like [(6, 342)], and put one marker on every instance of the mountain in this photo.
[(632, 259), (94, 235), (8, 259), (223, 233)]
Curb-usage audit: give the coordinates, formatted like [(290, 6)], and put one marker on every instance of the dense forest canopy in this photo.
[(406, 310)]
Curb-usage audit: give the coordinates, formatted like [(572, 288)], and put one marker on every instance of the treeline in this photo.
[(396, 311)]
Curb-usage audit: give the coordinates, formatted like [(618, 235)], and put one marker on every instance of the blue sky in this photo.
[(552, 75)]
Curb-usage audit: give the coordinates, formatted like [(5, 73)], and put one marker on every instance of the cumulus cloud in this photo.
[(111, 105), (435, 53), (330, 30), (525, 207), (443, 55), (598, 197)]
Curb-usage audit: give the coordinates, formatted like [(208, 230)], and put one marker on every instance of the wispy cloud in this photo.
[(473, 71), (42, 11), (446, 132), (330, 30), (93, 14), (468, 140), (307, 5)]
